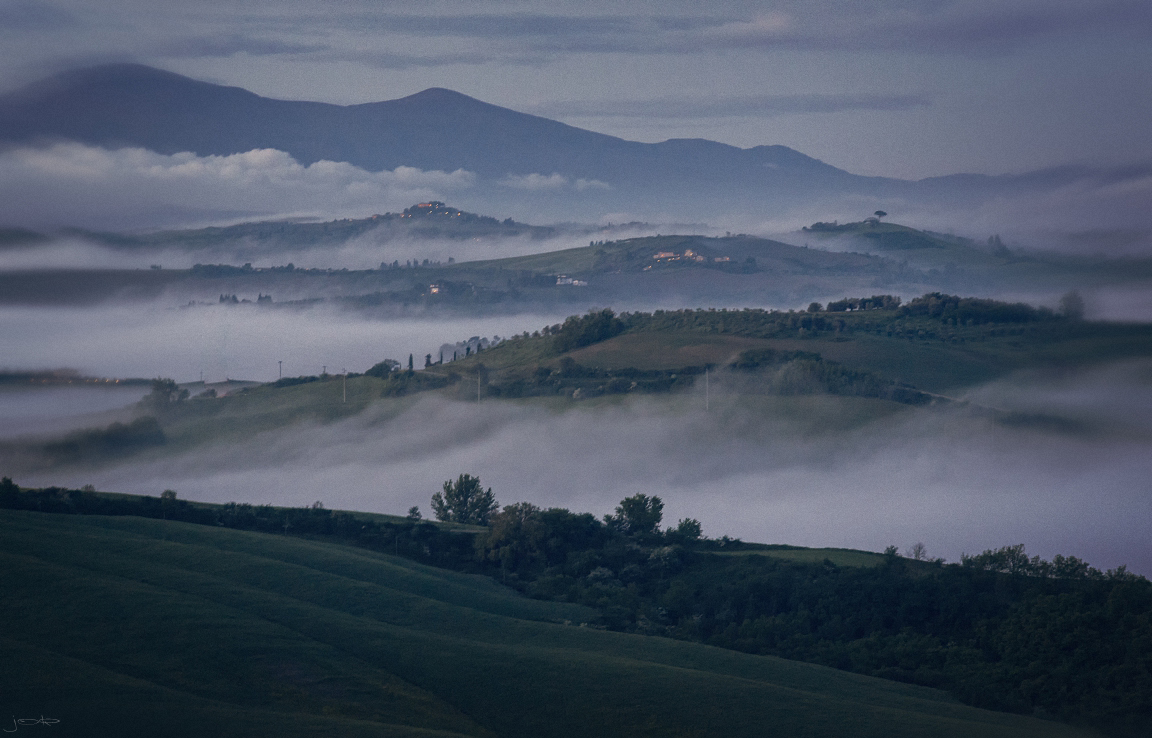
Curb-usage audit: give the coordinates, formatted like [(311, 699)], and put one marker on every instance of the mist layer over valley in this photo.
[(817, 470), (1068, 475), (217, 342)]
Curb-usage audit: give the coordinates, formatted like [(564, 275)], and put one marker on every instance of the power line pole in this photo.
[(281, 363)]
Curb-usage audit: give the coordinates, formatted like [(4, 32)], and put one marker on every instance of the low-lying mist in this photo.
[(41, 410), (381, 245), (217, 342), (1076, 209), (814, 471)]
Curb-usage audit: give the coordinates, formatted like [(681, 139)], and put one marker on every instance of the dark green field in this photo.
[(128, 626)]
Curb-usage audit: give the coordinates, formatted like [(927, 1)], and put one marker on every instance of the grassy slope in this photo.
[(1011, 269), (934, 365), (124, 626), (634, 255)]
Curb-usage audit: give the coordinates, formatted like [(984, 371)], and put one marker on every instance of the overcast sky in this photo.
[(906, 88)]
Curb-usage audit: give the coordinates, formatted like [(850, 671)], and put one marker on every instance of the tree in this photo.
[(9, 490), (815, 307), (414, 515), (690, 528), (165, 393), (638, 515), (464, 501), (409, 362), (516, 537), (879, 214), (168, 502), (384, 368), (596, 326), (1072, 306), (918, 552)]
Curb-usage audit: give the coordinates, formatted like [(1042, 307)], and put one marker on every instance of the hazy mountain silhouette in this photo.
[(437, 129), (131, 104)]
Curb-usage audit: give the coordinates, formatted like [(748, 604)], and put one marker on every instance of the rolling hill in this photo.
[(129, 626)]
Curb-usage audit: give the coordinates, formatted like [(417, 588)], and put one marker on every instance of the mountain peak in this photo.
[(439, 93)]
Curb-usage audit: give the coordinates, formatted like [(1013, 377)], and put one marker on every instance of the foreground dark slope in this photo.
[(125, 626)]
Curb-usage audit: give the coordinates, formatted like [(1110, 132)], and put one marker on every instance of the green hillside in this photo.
[(836, 366), (127, 626), (936, 343), (887, 236)]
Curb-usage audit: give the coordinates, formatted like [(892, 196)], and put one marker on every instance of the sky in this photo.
[(906, 88)]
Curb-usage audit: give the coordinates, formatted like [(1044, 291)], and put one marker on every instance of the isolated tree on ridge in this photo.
[(464, 501), (638, 515)]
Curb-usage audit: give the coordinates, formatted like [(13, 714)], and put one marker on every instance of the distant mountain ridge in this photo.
[(131, 104), (118, 105), (136, 105)]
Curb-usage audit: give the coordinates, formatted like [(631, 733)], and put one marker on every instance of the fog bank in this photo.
[(223, 341), (773, 472)]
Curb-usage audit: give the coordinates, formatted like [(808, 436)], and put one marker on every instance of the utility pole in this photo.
[(281, 363)]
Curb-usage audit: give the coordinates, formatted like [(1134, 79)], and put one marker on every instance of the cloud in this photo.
[(30, 15), (1045, 208), (398, 61), (225, 45), (535, 181), (509, 25), (552, 182), (592, 184), (765, 106), (925, 26), (404, 37), (73, 184), (958, 26)]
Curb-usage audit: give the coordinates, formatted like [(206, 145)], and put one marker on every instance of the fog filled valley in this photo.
[(813, 470), (427, 416)]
